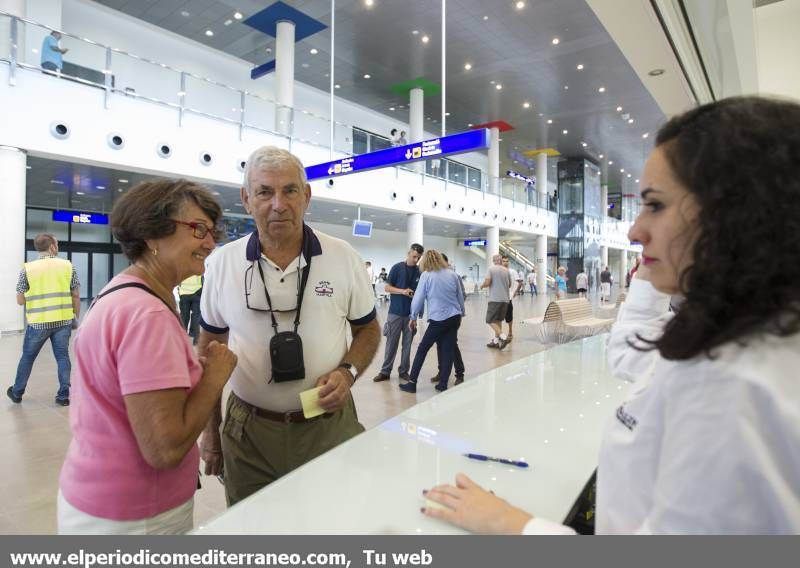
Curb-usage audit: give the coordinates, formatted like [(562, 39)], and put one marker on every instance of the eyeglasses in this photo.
[(249, 281), (199, 230)]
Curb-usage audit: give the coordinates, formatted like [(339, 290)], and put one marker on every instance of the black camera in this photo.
[(286, 356)]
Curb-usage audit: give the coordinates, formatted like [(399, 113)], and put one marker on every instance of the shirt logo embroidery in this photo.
[(323, 288), (627, 420)]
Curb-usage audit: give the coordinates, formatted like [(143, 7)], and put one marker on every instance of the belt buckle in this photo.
[(287, 417)]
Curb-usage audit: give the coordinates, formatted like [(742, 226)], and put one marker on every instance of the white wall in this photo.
[(778, 46)]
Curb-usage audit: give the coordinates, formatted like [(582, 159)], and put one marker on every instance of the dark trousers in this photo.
[(458, 362), (190, 313), (445, 334)]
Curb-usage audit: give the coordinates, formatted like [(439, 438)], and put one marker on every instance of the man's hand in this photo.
[(211, 452), (412, 325), (408, 292), (335, 389)]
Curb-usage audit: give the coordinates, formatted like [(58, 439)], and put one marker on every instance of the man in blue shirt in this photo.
[(52, 52), (402, 281)]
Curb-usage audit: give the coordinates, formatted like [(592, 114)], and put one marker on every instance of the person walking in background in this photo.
[(400, 285), (499, 282), (532, 282), (52, 52), (370, 275), (605, 285), (402, 141), (383, 276), (394, 137), (582, 283), (458, 361), (561, 283), (516, 286), (189, 292), (441, 288), (50, 291)]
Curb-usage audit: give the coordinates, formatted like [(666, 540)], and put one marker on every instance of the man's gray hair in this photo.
[(272, 158)]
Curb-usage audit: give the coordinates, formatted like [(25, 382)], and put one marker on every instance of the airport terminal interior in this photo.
[(562, 99)]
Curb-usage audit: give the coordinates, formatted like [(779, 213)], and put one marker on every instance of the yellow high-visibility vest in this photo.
[(190, 285), (49, 297)]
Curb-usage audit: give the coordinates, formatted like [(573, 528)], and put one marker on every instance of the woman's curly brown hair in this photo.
[(740, 157)]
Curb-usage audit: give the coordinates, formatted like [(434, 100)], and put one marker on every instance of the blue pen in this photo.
[(481, 457)]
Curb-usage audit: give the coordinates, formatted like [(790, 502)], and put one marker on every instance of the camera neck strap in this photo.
[(301, 287)]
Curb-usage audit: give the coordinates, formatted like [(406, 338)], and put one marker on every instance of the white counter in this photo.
[(548, 409)]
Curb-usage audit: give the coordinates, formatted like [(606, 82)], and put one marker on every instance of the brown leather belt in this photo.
[(290, 417)]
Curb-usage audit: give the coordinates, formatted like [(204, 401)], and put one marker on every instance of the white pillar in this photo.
[(494, 160), (541, 264), (541, 182), (284, 77), (492, 243), (12, 235), (604, 200), (415, 231), (623, 268), (603, 258), (15, 8), (416, 116)]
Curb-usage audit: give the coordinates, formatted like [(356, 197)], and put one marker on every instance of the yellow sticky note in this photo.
[(310, 401)]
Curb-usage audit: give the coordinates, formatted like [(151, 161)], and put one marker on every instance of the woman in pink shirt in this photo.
[(140, 395)]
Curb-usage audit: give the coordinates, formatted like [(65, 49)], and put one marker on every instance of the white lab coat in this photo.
[(705, 446)]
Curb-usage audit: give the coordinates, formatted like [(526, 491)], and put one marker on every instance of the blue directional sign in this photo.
[(474, 242), (80, 217), (520, 177), (446, 145)]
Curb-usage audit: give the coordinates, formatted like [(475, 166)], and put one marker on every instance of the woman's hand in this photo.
[(469, 506), (218, 362)]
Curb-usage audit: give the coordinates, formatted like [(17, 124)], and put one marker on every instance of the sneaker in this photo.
[(503, 343), (440, 388), (380, 377), (404, 377), (493, 345), (435, 378), (410, 386), (62, 401), (459, 380), (14, 398)]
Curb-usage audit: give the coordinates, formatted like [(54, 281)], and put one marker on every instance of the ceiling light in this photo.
[(123, 181), (498, 86), (304, 65), (80, 193), (526, 105), (601, 90), (268, 50), (610, 163), (520, 5), (391, 109), (57, 181), (565, 132), (415, 32), (636, 180), (425, 39), (185, 14), (584, 144), (313, 51), (580, 67), (337, 86), (447, 114), (622, 170), (556, 41), (469, 125), (629, 175), (645, 135), (335, 210), (655, 72), (467, 66), (601, 156), (566, 87), (369, 3), (237, 15), (619, 109), (630, 121), (367, 76), (485, 18), (100, 187), (549, 121), (209, 33), (228, 22)]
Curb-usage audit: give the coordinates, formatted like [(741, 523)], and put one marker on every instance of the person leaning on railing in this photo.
[(708, 440), (140, 396)]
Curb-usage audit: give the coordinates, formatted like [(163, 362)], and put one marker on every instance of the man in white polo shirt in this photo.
[(253, 290)]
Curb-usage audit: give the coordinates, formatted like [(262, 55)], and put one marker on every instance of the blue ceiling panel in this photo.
[(266, 21)]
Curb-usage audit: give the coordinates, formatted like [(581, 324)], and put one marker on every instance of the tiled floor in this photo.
[(34, 435)]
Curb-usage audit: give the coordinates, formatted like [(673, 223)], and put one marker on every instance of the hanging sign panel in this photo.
[(80, 217), (460, 143)]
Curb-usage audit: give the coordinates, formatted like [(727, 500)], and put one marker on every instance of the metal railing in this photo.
[(120, 73)]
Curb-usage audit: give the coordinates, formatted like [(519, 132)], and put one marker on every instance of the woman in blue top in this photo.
[(441, 287), (561, 283)]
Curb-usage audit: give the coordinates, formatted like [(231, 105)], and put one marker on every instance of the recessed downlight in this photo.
[(209, 33), (425, 39), (555, 41), (237, 16), (601, 90), (579, 67), (313, 51), (467, 66), (526, 104)]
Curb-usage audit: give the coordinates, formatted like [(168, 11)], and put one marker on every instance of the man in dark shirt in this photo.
[(402, 281)]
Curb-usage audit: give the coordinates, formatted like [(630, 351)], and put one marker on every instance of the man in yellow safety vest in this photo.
[(190, 291), (49, 289)]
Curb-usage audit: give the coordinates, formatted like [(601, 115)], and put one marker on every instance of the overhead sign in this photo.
[(474, 242), (526, 179), (80, 217), (362, 228), (446, 145)]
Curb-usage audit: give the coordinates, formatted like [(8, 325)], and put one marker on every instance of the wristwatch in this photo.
[(350, 368)]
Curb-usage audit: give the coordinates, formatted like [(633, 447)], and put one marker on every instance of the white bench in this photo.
[(566, 320)]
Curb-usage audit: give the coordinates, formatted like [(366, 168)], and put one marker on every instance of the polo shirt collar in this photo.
[(311, 244)]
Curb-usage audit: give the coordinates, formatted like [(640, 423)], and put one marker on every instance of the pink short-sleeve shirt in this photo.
[(129, 342)]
